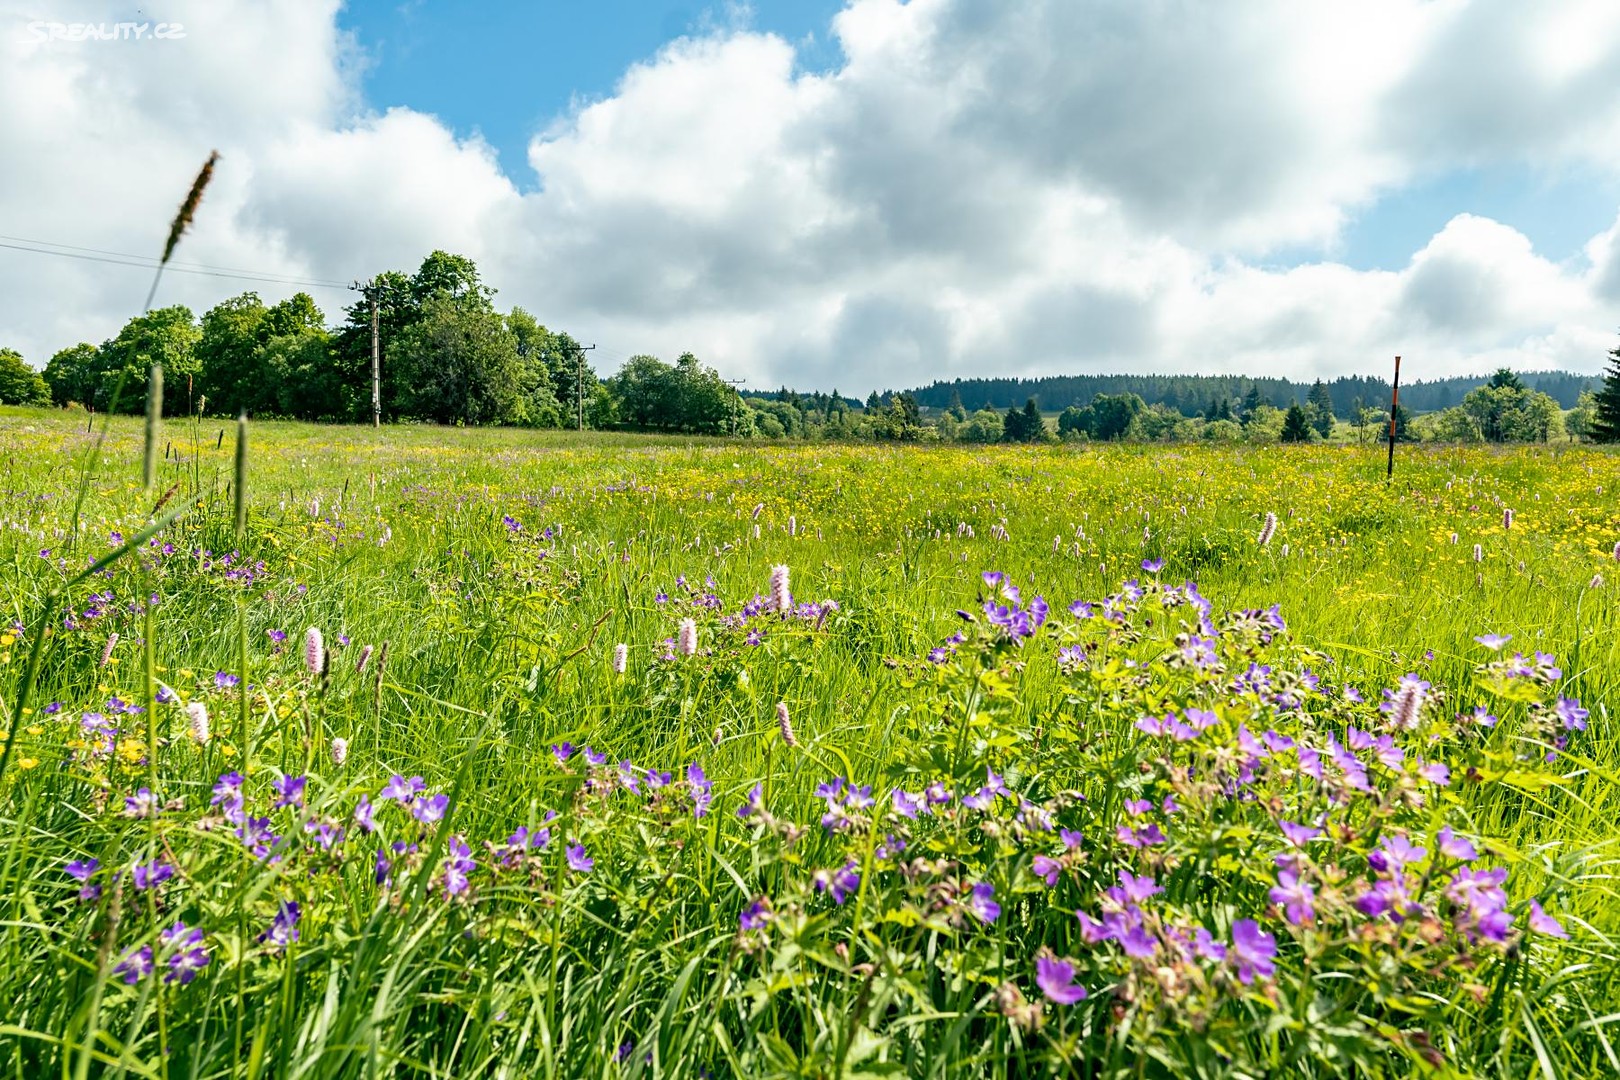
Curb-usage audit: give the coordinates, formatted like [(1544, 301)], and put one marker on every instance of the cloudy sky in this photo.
[(861, 195)]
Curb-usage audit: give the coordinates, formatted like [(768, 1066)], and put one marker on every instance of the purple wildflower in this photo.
[(431, 809), (982, 903), (1453, 846), (152, 874), (839, 883), (283, 929), (289, 791), (401, 790), (702, 789), (1570, 712), (1253, 951), (754, 916), (1543, 923), (578, 861), (189, 957), (1296, 898), (1056, 979), (135, 965), (1298, 835)]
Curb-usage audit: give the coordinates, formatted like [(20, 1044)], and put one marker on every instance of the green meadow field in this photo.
[(1084, 761)]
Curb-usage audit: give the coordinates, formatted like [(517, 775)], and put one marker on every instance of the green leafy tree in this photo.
[(1456, 425), (1264, 424), (1532, 417), (537, 395), (900, 420), (397, 312), (271, 361), (73, 374), (1112, 415), (1578, 424), (644, 390), (705, 403), (983, 426), (1073, 423), (19, 383), (460, 364), (166, 336), (229, 375), (1296, 427), (1508, 411), (572, 377)]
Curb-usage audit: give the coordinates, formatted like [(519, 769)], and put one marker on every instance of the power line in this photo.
[(173, 262), (139, 262)]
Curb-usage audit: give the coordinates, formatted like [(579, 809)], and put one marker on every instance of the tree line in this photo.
[(448, 356), (1201, 395)]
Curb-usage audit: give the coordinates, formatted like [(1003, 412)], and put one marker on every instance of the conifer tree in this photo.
[(1606, 417)]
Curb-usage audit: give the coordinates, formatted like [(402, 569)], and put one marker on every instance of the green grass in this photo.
[(499, 645)]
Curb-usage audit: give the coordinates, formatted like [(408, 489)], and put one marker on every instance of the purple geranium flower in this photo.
[(1543, 923), (152, 874), (283, 929), (431, 809), (754, 916), (1056, 979), (839, 883), (1453, 846), (135, 965), (1570, 712), (982, 902), (578, 861), (1253, 951), (289, 791), (1298, 835), (401, 790), (1296, 898), (189, 955)]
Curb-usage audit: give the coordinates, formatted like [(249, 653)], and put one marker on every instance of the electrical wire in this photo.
[(118, 258)]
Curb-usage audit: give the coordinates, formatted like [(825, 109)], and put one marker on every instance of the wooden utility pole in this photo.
[(580, 351), (376, 363), (1394, 405), (370, 292)]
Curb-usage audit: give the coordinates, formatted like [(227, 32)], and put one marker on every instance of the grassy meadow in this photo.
[(841, 822)]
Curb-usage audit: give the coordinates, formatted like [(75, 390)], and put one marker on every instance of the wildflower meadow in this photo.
[(425, 752)]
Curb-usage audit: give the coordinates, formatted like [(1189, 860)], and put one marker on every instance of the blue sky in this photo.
[(513, 67), (1559, 211)]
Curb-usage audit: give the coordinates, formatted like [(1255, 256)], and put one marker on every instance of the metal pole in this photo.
[(1394, 405)]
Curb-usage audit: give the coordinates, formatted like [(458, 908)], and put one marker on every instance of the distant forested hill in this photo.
[(1195, 394)]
